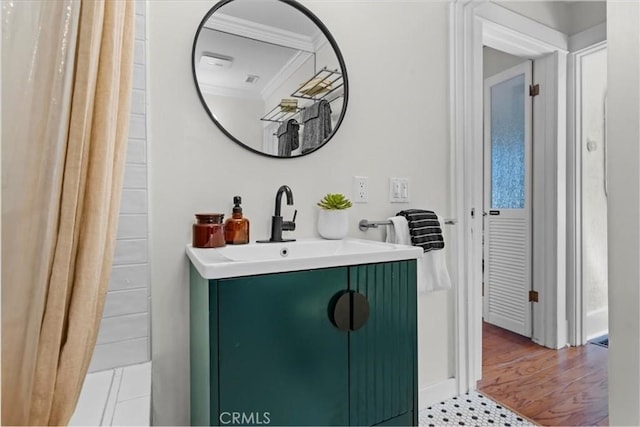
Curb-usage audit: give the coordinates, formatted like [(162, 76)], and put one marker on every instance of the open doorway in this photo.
[(516, 371), (591, 200), (507, 308), (492, 24), (586, 286)]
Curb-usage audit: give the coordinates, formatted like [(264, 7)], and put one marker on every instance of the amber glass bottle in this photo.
[(236, 228)]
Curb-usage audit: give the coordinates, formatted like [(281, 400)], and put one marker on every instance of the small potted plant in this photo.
[(333, 218)]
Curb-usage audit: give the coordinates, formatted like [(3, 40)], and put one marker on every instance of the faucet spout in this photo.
[(287, 191), (277, 223)]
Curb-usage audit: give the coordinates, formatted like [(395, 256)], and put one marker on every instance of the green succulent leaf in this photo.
[(335, 201)]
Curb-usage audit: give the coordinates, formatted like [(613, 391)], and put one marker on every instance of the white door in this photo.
[(507, 199)]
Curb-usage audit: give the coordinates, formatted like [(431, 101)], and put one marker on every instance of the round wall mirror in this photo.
[(270, 75)]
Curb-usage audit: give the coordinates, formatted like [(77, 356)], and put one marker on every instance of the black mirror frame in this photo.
[(332, 42)]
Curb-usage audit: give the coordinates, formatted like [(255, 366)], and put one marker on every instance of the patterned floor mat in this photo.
[(471, 409)]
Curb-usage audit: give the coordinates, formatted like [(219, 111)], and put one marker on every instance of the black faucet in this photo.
[(277, 224)]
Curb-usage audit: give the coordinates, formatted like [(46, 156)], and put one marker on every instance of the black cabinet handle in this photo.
[(349, 310), (359, 311), (340, 310)]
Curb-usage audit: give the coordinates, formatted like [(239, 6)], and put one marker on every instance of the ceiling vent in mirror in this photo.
[(251, 78), (215, 62)]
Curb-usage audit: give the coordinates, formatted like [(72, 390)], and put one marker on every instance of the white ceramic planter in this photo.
[(333, 224)]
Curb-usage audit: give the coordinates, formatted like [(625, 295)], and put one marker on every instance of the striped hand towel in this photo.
[(424, 229)]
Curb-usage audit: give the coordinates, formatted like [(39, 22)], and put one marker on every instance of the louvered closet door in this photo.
[(507, 199)]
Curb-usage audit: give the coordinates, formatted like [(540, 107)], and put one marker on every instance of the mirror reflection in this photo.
[(270, 76)]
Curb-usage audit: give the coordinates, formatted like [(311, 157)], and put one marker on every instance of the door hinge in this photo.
[(533, 296), (534, 90)]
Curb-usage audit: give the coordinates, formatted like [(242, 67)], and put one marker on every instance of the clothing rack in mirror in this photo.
[(320, 86), (364, 224), (280, 116)]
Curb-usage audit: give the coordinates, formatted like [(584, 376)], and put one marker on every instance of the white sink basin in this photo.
[(303, 254)]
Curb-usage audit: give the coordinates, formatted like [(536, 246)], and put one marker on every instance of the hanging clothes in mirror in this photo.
[(317, 125), (288, 137)]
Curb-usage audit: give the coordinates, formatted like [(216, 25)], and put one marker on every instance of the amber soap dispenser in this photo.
[(236, 228)]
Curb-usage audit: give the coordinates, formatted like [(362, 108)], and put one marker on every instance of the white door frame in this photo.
[(472, 25), (575, 306)]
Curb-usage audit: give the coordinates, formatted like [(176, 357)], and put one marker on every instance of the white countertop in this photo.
[(303, 254)]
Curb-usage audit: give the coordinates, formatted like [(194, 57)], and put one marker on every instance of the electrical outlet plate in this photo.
[(360, 189), (399, 189)]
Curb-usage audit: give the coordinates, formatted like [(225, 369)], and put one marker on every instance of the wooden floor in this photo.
[(566, 387)]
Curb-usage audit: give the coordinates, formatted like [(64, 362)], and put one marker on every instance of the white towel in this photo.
[(433, 274), (398, 231)]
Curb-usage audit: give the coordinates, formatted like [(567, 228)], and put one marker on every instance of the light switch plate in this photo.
[(399, 189)]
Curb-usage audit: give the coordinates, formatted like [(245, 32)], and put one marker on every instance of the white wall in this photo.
[(554, 14), (585, 14), (495, 61), (123, 338), (569, 17), (623, 134), (397, 124)]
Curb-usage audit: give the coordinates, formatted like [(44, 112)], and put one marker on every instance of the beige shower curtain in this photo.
[(66, 87)]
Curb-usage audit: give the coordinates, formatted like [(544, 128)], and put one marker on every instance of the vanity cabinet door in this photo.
[(383, 352), (281, 360)]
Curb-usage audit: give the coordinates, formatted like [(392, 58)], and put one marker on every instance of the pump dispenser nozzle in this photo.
[(236, 228)]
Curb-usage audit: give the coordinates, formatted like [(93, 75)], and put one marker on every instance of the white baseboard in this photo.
[(437, 392)]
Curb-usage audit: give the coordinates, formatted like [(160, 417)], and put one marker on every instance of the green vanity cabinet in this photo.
[(383, 353), (265, 350), (279, 354)]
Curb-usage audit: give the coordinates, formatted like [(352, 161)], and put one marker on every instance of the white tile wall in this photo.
[(139, 51), (124, 332), (140, 24), (137, 105), (140, 7), (123, 328), (121, 353), (139, 78), (137, 151), (137, 125), (121, 303), (132, 227), (135, 176), (130, 252), (128, 277), (133, 201)]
